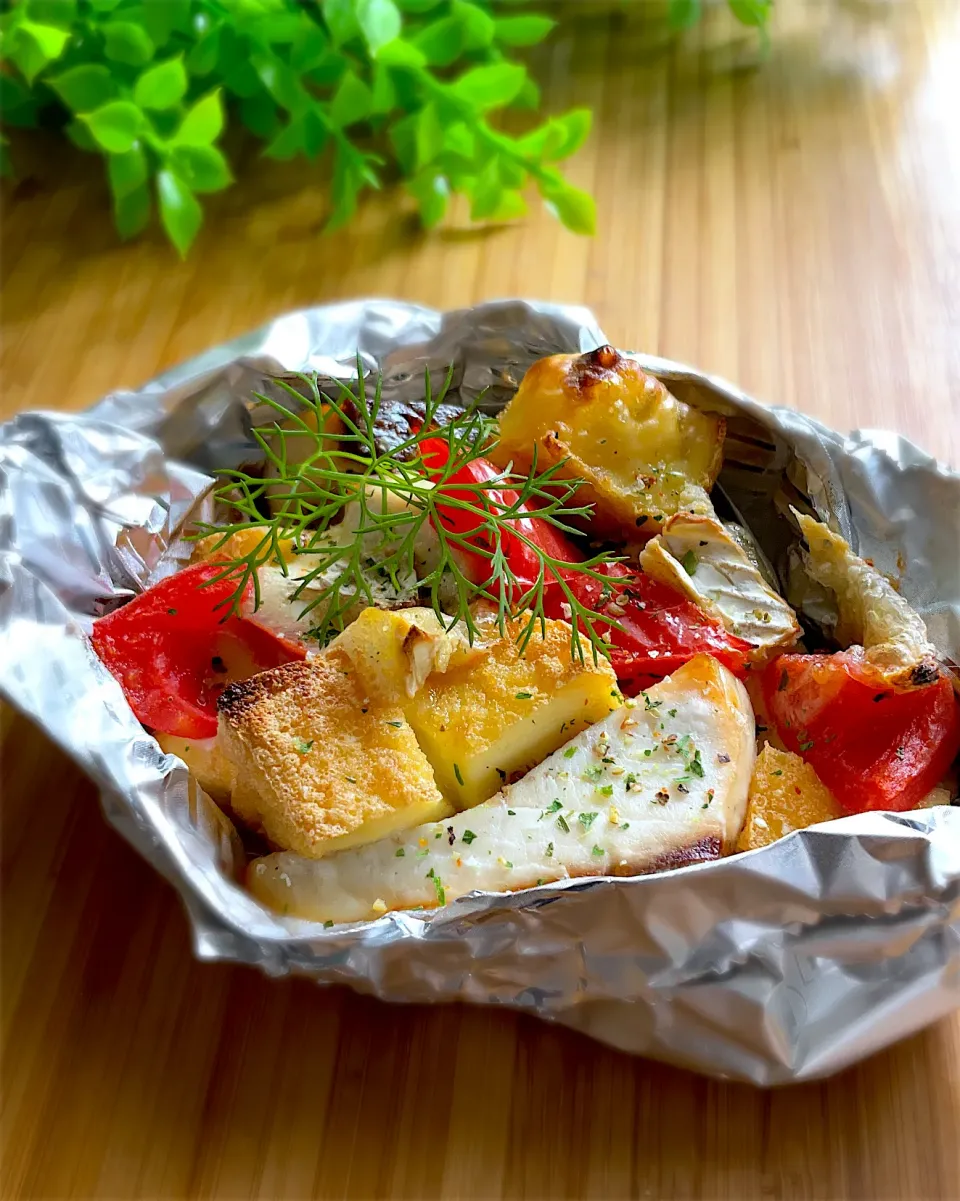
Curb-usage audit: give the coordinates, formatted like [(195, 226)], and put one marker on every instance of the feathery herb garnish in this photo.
[(394, 497)]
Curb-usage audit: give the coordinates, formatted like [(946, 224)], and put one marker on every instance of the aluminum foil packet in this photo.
[(782, 964)]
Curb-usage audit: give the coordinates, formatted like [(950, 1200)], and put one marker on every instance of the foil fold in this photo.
[(783, 964)]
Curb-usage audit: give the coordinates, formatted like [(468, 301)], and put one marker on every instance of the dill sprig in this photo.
[(390, 496)]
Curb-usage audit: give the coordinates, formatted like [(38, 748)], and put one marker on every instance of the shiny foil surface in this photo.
[(782, 964)]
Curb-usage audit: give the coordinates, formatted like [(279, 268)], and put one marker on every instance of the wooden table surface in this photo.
[(796, 229)]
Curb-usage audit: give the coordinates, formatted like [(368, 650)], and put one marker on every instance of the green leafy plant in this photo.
[(380, 87), (397, 497), (376, 85)]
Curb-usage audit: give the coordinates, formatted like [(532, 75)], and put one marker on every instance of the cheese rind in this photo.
[(697, 556)]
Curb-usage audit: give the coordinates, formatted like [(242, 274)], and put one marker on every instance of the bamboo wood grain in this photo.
[(796, 229)]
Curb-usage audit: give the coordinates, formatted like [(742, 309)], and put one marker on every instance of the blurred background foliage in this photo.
[(377, 89)]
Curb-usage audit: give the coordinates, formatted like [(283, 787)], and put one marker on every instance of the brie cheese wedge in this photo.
[(698, 557)]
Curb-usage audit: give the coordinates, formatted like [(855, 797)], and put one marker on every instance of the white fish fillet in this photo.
[(657, 784), (698, 557)]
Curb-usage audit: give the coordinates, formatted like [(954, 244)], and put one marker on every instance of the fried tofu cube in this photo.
[(785, 794), (642, 453), (317, 764), (395, 651), (482, 723)]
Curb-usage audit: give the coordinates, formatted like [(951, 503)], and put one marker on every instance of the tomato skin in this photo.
[(173, 652), (660, 629), (873, 748)]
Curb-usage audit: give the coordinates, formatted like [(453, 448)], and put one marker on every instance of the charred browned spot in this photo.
[(698, 852), (235, 700), (591, 367), (926, 672)]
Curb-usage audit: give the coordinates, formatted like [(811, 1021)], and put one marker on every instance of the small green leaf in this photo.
[(441, 43), (380, 22), (529, 96), (460, 139), (577, 210), (399, 53), (523, 31), (384, 93), (352, 101), (432, 193), (751, 12), (403, 137), (32, 47), (160, 20), (341, 19), (203, 56), (80, 135), (127, 172), (115, 126), (478, 25), (202, 123), (486, 193), (163, 86), (202, 168), (429, 135), (310, 48), (290, 141), (418, 6), (125, 42), (85, 87), (683, 14), (179, 211), (275, 28), (490, 87), (575, 129), (511, 207), (52, 12), (131, 212)]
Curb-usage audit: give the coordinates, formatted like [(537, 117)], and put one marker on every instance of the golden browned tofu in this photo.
[(643, 454), (396, 650), (319, 765), (482, 723), (785, 794)]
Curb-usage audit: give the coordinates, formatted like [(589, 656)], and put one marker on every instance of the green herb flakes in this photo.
[(301, 746), (399, 853), (689, 562), (468, 836), (587, 819), (562, 823), (456, 772)]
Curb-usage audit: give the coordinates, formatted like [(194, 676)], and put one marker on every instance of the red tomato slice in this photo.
[(660, 629), (173, 652), (873, 748)]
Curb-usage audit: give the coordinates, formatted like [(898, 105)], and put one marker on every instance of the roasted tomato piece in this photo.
[(873, 748), (173, 651)]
